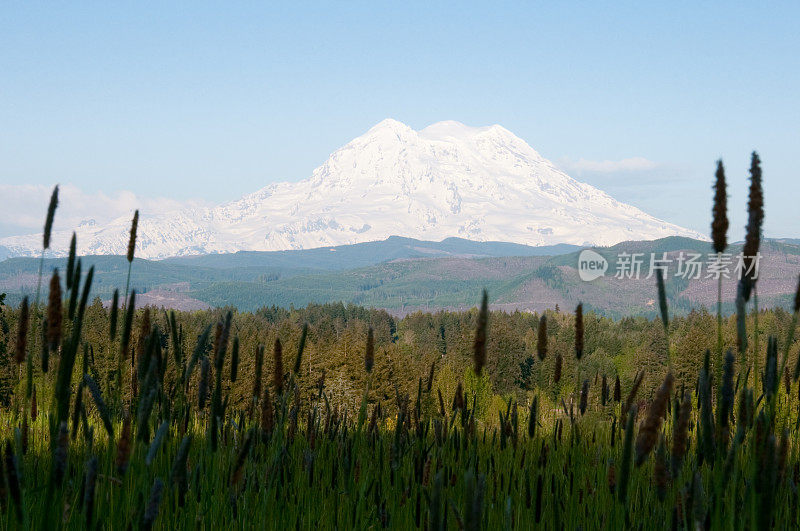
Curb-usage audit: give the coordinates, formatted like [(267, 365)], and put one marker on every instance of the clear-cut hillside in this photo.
[(447, 180)]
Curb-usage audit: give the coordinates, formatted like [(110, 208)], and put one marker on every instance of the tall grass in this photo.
[(161, 445)]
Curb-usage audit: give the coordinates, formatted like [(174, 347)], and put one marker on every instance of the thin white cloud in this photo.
[(25, 206), (633, 164)]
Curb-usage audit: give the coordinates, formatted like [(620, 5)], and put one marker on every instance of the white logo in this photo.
[(591, 265)]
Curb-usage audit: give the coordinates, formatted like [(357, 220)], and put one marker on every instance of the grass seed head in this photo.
[(22, 332), (797, 297), (557, 369), (51, 213), (73, 243), (258, 372), (300, 348), (584, 400), (54, 312), (662, 298), (90, 483), (680, 433), (12, 477), (132, 239), (277, 367), (479, 346), (541, 338), (267, 414), (235, 359), (651, 425), (151, 512), (60, 454), (755, 220), (369, 353), (128, 325), (579, 331), (112, 327), (202, 388), (719, 224)]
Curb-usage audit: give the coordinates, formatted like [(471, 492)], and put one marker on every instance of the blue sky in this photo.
[(210, 101)]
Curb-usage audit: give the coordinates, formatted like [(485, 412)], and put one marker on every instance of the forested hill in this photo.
[(403, 275)]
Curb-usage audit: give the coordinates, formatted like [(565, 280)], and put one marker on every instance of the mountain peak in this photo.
[(446, 180), (389, 124)]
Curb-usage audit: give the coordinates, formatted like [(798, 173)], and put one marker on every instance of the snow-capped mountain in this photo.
[(477, 183)]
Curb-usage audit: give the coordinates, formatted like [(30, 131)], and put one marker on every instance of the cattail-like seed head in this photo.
[(60, 454), (267, 414), (73, 244), (202, 388), (112, 328), (429, 385), (241, 457), (258, 372), (632, 393), (128, 325), (12, 478), (541, 338), (662, 298), (680, 433), (132, 240), (557, 368), (124, 446), (719, 224), (90, 482), (24, 434), (151, 512), (22, 332), (787, 380), (783, 455), (755, 220), (627, 451), (479, 346), (771, 378), (145, 328), (579, 331), (218, 333), (34, 405), (51, 213), (369, 353), (537, 514), (726, 398), (532, 417), (277, 367), (221, 341), (603, 391), (458, 397), (611, 477), (584, 397), (651, 425), (617, 390), (300, 348), (54, 312), (161, 433), (102, 409), (235, 359), (797, 297), (178, 476), (661, 475)]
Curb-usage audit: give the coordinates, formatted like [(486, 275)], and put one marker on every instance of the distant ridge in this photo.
[(370, 253), (403, 275)]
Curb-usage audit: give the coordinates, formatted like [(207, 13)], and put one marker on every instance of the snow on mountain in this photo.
[(477, 183)]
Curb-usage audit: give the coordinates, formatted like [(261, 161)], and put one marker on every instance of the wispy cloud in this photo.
[(25, 206), (633, 164)]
